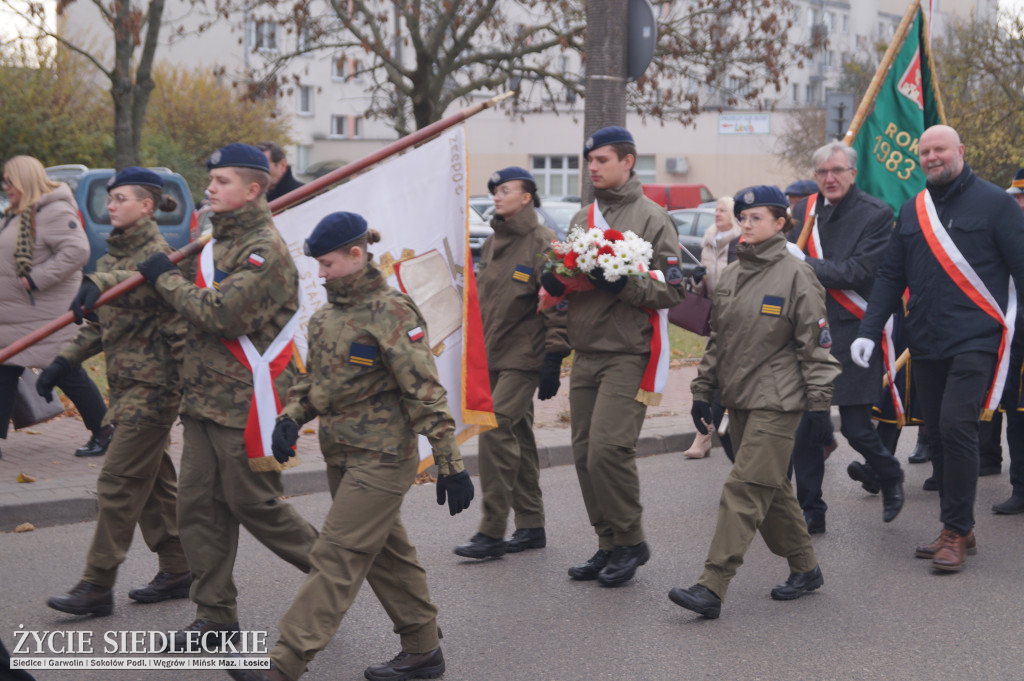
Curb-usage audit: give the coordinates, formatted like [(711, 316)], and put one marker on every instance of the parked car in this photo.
[(90, 189), (691, 223), (482, 205)]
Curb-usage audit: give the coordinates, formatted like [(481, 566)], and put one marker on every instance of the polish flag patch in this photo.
[(416, 334), (256, 260)]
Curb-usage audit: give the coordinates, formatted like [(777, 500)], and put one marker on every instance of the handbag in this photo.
[(693, 313), (29, 407)]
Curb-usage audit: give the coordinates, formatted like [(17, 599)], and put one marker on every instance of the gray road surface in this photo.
[(881, 615)]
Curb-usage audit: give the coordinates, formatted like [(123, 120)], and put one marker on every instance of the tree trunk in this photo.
[(605, 102)]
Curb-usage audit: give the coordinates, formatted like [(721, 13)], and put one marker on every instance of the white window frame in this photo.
[(339, 122), (543, 173), (264, 37), (306, 111)]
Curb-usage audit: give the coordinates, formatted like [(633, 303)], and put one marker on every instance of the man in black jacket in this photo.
[(281, 179), (955, 247), (848, 230)]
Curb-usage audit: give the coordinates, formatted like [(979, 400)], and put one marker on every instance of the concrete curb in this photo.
[(74, 500)]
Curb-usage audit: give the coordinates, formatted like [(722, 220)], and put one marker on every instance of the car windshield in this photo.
[(562, 215)]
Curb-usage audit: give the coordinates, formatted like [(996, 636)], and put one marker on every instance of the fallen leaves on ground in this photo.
[(25, 478), (25, 527)]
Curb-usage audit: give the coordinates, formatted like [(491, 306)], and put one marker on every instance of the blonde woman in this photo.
[(718, 250), (42, 251)]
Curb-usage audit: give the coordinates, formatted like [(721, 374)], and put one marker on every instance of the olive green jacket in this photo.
[(769, 343), (371, 376), (600, 321), (511, 262), (143, 338)]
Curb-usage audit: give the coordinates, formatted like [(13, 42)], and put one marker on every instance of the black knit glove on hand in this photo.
[(51, 376), (85, 299), (819, 426), (613, 287), (701, 414), (551, 284), (550, 376), (459, 490), (282, 442), (155, 265)]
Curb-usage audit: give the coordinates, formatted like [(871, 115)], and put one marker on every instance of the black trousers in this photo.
[(77, 385), (1015, 425), (951, 392), (809, 462)]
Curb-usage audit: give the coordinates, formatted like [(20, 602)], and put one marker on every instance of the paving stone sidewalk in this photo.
[(64, 490)]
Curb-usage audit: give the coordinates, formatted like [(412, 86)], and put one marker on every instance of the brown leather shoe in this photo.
[(84, 599), (928, 550), (952, 552)]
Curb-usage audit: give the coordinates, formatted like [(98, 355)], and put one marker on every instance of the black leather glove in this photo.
[(698, 273), (819, 426), (550, 376), (551, 284), (51, 376), (282, 442), (85, 299), (155, 265), (701, 413), (459, 490), (615, 287)]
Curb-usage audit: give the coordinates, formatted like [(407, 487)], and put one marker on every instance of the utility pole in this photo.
[(605, 102)]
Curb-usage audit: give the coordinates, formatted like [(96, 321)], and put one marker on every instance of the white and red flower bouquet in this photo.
[(575, 261)]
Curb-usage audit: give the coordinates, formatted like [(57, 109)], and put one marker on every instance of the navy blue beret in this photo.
[(135, 175), (333, 232), (802, 188), (238, 155), (511, 173), (761, 195), (613, 134), (1017, 186)]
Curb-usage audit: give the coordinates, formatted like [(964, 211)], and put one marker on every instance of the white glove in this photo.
[(795, 251), (861, 350)]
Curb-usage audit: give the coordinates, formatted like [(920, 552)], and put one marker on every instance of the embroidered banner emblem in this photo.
[(256, 260), (416, 334)]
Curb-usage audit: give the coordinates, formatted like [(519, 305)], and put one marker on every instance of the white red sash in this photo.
[(652, 385), (855, 304), (266, 403), (968, 281)]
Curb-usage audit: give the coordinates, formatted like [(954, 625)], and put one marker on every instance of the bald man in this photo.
[(955, 246)]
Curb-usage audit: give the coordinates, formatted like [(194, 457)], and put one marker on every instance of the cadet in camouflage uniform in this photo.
[(143, 338), (768, 354), (523, 347), (373, 383), (227, 477), (610, 331)]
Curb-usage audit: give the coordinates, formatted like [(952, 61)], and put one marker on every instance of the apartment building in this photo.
[(326, 96)]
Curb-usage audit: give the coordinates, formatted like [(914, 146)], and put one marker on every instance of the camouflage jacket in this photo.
[(511, 262), (141, 335), (371, 376), (255, 295)]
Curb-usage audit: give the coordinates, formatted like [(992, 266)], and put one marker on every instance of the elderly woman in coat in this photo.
[(42, 251)]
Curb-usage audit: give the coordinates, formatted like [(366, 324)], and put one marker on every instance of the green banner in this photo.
[(906, 105)]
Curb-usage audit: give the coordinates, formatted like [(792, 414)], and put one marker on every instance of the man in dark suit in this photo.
[(281, 179), (848, 231)]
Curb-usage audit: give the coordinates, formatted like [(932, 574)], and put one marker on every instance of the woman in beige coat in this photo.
[(42, 250), (717, 250)]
